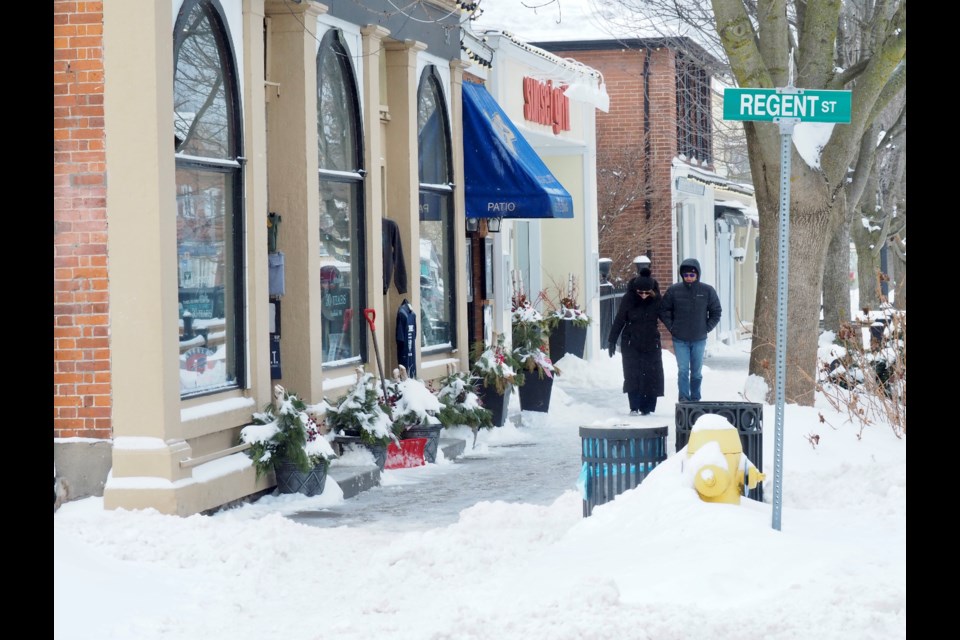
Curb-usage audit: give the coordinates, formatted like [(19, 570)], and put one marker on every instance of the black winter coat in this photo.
[(690, 310), (636, 326)]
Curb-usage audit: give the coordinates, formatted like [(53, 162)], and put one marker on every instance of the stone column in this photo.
[(402, 179), (294, 187)]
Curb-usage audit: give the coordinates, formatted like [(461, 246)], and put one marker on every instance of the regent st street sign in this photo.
[(769, 105)]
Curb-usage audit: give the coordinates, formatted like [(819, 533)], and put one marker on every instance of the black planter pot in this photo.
[(429, 431), (497, 403), (291, 480), (379, 451), (535, 392), (566, 338)]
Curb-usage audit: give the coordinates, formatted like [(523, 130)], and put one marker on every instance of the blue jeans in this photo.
[(689, 367)]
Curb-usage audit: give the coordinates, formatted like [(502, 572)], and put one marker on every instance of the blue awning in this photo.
[(503, 175)]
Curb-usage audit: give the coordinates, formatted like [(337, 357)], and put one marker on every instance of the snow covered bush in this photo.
[(411, 403), (529, 333), (362, 411), (460, 404), (285, 431), (495, 366), (863, 369)]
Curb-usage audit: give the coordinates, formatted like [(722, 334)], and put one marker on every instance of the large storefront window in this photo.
[(341, 203), (209, 180), (437, 293)]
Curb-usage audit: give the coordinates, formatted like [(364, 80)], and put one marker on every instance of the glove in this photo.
[(612, 349)]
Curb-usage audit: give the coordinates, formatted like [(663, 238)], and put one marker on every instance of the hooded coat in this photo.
[(690, 310), (635, 325)]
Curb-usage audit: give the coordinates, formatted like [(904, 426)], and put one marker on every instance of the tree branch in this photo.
[(845, 139), (817, 43)]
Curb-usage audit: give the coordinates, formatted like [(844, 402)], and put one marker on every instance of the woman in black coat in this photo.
[(636, 327)]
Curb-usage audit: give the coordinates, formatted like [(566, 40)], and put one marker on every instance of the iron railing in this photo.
[(609, 301)]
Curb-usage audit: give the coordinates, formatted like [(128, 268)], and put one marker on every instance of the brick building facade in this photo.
[(659, 111), (162, 293), (82, 385)]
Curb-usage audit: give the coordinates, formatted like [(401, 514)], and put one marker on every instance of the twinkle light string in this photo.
[(566, 68), (473, 56), (471, 7)]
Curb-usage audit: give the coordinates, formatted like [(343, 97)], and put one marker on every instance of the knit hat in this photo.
[(643, 283)]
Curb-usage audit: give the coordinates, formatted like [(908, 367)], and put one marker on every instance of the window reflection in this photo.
[(436, 209), (201, 118), (209, 267), (341, 211)]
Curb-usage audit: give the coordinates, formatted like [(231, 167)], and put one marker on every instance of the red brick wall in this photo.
[(663, 126), (82, 386), (622, 127)]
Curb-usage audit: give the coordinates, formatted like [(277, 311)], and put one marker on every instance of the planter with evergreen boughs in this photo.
[(362, 412), (285, 438), (461, 405), (496, 370), (531, 352), (414, 408), (566, 323)]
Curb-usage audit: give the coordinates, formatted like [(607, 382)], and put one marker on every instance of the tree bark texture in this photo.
[(759, 57), (809, 233), (899, 262), (836, 281), (868, 237)]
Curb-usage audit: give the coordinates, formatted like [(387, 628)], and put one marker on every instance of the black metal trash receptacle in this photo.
[(747, 417), (618, 459)]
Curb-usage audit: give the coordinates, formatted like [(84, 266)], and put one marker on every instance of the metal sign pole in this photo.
[(783, 266), (787, 106)]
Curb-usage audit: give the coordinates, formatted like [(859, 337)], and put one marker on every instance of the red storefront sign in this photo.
[(545, 104)]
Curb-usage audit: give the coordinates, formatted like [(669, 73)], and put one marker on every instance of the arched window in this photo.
[(437, 294), (341, 203), (209, 177)]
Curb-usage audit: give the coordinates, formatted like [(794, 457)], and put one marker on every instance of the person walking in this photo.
[(635, 325), (690, 310)]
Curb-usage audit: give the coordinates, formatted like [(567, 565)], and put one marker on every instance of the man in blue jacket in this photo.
[(690, 310)]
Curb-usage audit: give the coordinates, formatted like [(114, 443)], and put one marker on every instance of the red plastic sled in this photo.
[(406, 454)]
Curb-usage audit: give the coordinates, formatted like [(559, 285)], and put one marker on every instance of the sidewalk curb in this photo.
[(357, 478)]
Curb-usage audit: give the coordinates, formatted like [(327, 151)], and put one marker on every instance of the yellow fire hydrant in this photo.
[(720, 468)]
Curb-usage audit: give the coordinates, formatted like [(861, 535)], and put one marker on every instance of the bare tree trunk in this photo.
[(900, 280), (868, 241), (897, 242), (809, 231), (836, 276), (836, 281)]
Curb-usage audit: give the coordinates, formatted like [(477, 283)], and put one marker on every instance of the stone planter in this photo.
[(291, 480), (535, 392), (429, 431), (379, 451), (497, 403), (566, 338)]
